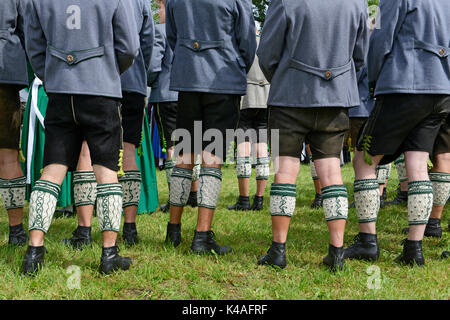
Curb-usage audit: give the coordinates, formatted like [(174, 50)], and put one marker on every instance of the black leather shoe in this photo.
[(384, 195), (317, 203), (17, 235), (335, 258), (365, 247), (204, 243), (258, 203), (412, 253), (445, 254), (242, 204), (34, 260), (382, 202), (276, 256), (165, 207), (80, 237), (401, 198), (192, 200), (130, 234), (173, 234), (111, 261), (433, 228)]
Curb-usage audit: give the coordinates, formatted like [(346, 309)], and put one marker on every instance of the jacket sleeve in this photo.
[(362, 41), (147, 34), (272, 43), (159, 49), (126, 39), (35, 41), (171, 28), (392, 15), (245, 29)]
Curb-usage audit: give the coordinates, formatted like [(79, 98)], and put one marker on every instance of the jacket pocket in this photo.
[(74, 57), (201, 45), (440, 51), (325, 74)]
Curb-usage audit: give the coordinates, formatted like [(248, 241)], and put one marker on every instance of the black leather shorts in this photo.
[(403, 122), (256, 119), (133, 105), (166, 113), (10, 117), (442, 143), (70, 119)]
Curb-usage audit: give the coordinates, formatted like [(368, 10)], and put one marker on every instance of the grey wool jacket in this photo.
[(135, 78), (161, 68), (410, 52), (214, 44), (310, 52), (81, 47), (13, 64)]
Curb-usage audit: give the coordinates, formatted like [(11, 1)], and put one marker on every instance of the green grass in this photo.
[(161, 272)]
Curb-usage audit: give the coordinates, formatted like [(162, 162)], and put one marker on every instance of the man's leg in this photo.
[(282, 206), (42, 207), (420, 202), (317, 202), (262, 171), (402, 193), (85, 195), (243, 171), (440, 177), (12, 189), (209, 189), (367, 202), (193, 196)]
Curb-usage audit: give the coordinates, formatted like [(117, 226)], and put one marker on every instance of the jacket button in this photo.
[(196, 45), (328, 74), (442, 52), (70, 58), (261, 82)]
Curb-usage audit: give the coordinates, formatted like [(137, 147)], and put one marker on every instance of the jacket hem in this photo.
[(87, 93), (411, 91), (209, 90), (18, 82), (276, 104)]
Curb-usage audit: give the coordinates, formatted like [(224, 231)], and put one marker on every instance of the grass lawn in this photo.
[(160, 272)]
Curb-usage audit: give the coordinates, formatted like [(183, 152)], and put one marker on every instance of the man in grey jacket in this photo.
[(13, 77), (214, 46), (79, 51), (409, 73), (311, 58)]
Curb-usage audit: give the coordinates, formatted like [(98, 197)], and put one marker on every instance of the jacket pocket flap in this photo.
[(74, 57), (5, 34), (326, 74), (440, 51), (201, 45)]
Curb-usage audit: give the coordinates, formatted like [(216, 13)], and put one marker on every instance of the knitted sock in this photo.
[(180, 186), (169, 165), (282, 199), (420, 202), (109, 206), (243, 167), (335, 202), (210, 182), (13, 192), (196, 169), (367, 199), (401, 168), (441, 187), (84, 188), (131, 188), (42, 205), (382, 173), (262, 169)]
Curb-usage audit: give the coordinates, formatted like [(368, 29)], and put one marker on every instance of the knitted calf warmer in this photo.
[(13, 192), (42, 205), (401, 168), (420, 202), (262, 169), (196, 169), (109, 206), (84, 188), (180, 186), (383, 173), (441, 187), (243, 167), (210, 182), (367, 199), (282, 199), (168, 166), (335, 202), (131, 188)]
